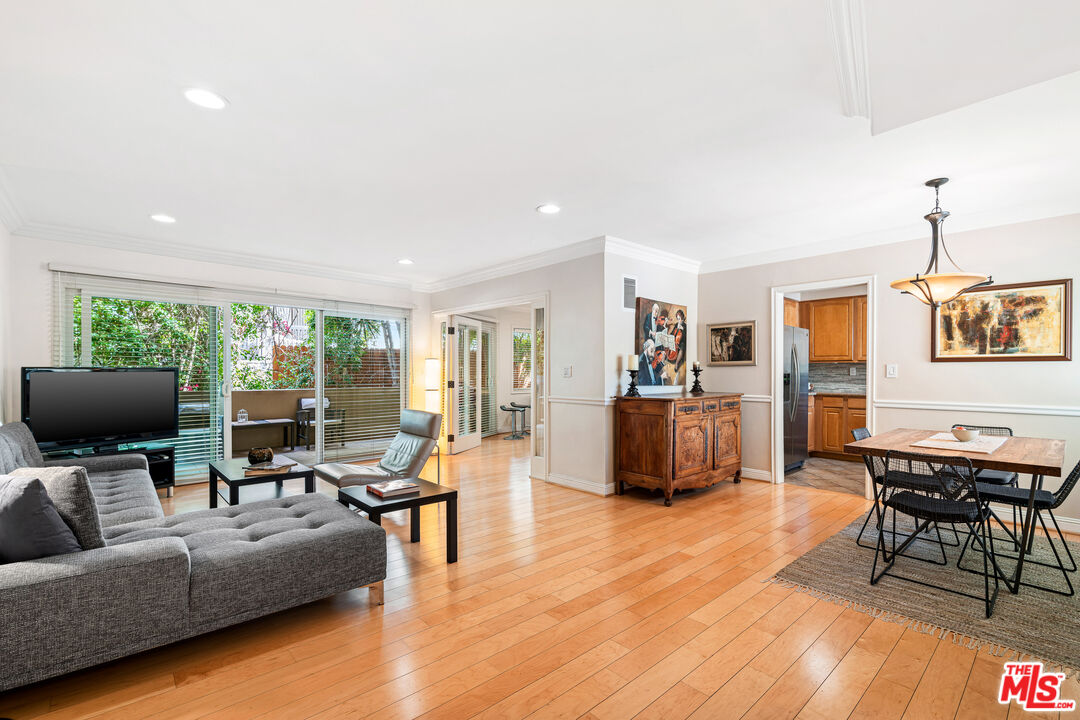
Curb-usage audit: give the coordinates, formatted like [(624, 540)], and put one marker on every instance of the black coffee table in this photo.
[(376, 506), (231, 473)]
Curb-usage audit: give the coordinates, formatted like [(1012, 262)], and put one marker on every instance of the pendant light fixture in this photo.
[(933, 287)]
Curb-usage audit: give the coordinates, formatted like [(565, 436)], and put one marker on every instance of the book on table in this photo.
[(393, 488), (270, 467)]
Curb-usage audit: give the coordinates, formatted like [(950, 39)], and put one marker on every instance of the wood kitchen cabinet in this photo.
[(791, 312), (676, 441), (837, 415), (837, 328), (811, 425)]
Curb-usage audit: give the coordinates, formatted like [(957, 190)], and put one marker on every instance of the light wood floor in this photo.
[(563, 605)]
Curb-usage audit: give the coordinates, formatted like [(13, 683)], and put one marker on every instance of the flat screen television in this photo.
[(100, 407)]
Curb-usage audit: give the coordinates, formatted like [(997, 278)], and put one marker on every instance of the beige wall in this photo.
[(9, 409), (1034, 398)]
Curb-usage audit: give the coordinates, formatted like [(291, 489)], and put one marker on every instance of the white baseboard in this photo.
[(755, 474), (589, 486), (1069, 525)]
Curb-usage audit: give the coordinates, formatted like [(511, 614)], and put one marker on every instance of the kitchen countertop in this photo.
[(838, 394)]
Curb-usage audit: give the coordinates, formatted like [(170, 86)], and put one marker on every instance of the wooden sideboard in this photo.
[(675, 441)]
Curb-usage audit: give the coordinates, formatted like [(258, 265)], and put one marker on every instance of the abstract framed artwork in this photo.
[(660, 342), (732, 343), (1005, 323)]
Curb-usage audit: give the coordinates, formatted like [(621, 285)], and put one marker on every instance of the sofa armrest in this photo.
[(103, 463), (67, 612)]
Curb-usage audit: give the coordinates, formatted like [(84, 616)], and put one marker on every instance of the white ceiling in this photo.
[(359, 133)]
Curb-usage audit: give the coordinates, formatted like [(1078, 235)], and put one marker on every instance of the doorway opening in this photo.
[(494, 377), (823, 343)]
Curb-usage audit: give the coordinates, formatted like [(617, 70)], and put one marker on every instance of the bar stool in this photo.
[(524, 416), (515, 434)]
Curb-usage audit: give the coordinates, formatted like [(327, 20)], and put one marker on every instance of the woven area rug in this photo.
[(1033, 624)]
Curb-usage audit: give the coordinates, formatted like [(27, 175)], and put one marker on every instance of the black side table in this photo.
[(375, 507), (231, 473)]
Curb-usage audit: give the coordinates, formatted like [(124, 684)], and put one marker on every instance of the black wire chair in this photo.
[(1045, 502), (995, 477), (914, 481), (956, 501)]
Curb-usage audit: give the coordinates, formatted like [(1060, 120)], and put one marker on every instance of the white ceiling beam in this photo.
[(847, 29)]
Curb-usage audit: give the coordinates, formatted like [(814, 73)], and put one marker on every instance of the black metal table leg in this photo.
[(213, 487), (234, 495), (375, 518), (451, 530), (309, 483), (414, 524), (1027, 534)]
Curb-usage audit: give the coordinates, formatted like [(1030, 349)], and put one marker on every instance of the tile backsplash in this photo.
[(835, 377)]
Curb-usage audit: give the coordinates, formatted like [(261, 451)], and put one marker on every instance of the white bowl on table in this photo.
[(965, 435)]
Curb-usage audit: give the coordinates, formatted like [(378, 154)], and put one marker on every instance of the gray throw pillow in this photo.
[(30, 527), (69, 489)]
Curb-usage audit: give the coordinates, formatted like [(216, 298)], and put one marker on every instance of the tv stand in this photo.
[(161, 461)]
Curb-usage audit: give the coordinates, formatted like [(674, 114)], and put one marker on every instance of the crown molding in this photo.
[(625, 248), (847, 29), (512, 267), (83, 236), (10, 217)]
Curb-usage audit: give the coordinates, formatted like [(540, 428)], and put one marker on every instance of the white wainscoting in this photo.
[(1052, 410)]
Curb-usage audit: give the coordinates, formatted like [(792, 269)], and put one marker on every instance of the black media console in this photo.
[(161, 461)]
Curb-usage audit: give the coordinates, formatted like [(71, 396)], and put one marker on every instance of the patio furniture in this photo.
[(288, 425), (955, 501), (409, 451), (333, 421), (1039, 457)]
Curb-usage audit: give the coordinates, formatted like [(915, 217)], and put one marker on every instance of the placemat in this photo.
[(947, 441)]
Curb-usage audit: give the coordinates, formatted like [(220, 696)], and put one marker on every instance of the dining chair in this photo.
[(1045, 502), (925, 484), (995, 477), (956, 501)]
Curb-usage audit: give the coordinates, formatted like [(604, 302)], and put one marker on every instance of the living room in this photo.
[(518, 265)]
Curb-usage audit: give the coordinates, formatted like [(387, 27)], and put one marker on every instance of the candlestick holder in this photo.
[(632, 391), (696, 388)]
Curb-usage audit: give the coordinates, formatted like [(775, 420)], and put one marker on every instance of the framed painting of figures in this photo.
[(1022, 321), (660, 342), (732, 343)]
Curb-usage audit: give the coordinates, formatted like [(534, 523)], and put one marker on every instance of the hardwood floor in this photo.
[(562, 605), (829, 474)]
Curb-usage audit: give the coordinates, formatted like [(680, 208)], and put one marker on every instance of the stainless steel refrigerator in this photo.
[(796, 395)]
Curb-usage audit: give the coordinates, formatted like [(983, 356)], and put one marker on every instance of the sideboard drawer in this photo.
[(711, 406), (731, 404), (692, 407)]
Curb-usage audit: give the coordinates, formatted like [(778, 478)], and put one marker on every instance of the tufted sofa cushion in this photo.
[(260, 557), (124, 496)]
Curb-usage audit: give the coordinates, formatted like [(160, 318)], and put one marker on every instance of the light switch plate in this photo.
[(568, 371), (891, 370)]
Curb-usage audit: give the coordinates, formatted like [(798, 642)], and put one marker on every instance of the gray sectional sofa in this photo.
[(153, 580)]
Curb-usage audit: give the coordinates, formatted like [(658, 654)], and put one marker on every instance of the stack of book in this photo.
[(271, 467), (393, 488)]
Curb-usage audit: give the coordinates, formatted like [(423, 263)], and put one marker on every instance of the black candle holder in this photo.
[(632, 391), (696, 388)]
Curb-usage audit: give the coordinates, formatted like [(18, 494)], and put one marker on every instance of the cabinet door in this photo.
[(727, 443), (830, 330), (811, 425), (859, 329), (791, 312), (832, 429), (856, 418), (692, 445)]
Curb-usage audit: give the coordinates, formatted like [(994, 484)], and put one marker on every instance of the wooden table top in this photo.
[(1029, 456)]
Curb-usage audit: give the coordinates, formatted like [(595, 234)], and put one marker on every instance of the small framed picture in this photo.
[(732, 343)]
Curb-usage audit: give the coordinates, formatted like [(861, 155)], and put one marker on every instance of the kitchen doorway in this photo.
[(822, 381)]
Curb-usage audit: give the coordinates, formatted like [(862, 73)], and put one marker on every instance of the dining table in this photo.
[(1038, 457)]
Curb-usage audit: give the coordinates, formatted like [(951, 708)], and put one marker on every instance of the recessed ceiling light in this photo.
[(404, 261), (205, 99), (163, 218), (548, 209)]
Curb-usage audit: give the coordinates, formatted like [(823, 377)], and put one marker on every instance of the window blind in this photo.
[(120, 333), (489, 399), (522, 359)]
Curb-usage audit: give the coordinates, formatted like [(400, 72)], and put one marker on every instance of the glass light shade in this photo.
[(938, 288), (432, 374)]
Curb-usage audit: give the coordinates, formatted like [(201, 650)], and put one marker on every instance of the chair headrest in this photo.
[(423, 424)]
